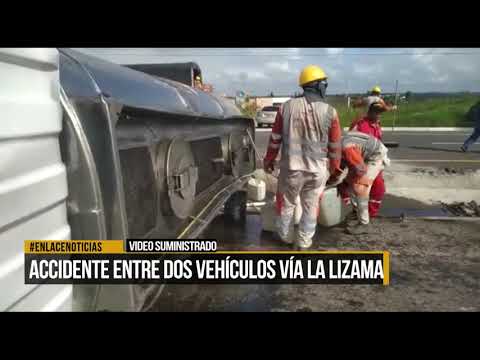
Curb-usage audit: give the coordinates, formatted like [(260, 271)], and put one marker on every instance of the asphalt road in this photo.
[(440, 149)]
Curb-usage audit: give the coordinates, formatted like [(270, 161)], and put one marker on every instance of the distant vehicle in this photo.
[(266, 116)]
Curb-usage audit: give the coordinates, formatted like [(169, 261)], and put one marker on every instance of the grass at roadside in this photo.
[(445, 111), (430, 112)]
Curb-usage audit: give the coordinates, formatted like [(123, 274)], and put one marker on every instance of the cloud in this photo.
[(280, 66), (256, 75), (365, 69), (244, 74), (262, 70), (334, 51)]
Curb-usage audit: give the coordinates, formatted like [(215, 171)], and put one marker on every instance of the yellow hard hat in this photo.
[(376, 89), (311, 73)]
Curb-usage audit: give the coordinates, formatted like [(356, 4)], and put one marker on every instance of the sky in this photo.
[(260, 71)]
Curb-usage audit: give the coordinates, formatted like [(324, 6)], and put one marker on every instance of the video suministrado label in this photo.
[(221, 267), (137, 245)]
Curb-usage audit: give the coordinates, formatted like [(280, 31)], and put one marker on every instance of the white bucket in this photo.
[(256, 190), (330, 213)]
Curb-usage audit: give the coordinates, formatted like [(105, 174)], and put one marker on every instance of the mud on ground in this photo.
[(435, 266)]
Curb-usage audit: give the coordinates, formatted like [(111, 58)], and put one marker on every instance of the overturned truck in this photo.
[(95, 150), (147, 156)]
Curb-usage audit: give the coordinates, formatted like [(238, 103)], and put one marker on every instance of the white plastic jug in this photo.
[(270, 180), (256, 189), (330, 213)]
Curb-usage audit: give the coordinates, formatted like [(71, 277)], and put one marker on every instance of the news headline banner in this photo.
[(194, 262)]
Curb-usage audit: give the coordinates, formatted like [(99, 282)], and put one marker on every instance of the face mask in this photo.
[(316, 91), (322, 88)]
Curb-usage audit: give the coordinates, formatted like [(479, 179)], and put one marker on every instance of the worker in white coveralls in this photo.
[(308, 131), (374, 97), (366, 102), (365, 157)]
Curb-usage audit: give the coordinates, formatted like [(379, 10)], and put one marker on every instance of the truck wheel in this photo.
[(235, 210)]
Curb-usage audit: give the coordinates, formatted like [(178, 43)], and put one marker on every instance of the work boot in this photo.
[(303, 245), (359, 229)]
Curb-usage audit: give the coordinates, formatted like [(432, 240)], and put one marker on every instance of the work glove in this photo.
[(268, 166), (334, 177), (332, 180)]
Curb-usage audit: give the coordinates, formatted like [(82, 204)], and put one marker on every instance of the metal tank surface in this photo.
[(146, 156)]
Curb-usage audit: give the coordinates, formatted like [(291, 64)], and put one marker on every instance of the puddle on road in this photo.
[(415, 213), (395, 206), (247, 236)]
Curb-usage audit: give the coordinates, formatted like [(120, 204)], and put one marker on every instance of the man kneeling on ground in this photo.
[(365, 157)]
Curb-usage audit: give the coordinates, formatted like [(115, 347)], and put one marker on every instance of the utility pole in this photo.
[(396, 100), (348, 98)]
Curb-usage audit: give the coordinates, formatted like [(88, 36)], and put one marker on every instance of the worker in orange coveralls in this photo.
[(365, 157), (369, 124), (308, 131)]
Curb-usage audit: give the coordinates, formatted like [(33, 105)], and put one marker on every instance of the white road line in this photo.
[(449, 143), (435, 160), (404, 133), (456, 133)]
